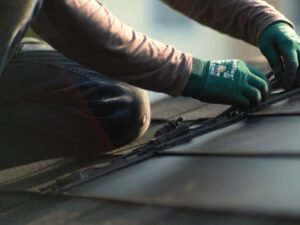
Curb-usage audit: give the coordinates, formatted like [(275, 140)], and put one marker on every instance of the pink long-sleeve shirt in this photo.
[(86, 31)]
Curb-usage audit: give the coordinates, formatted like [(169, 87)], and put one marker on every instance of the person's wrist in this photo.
[(271, 31), (196, 83)]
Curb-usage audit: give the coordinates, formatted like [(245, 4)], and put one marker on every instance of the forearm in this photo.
[(243, 19), (86, 31)]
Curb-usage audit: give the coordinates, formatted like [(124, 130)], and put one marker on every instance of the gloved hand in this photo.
[(281, 46), (231, 82)]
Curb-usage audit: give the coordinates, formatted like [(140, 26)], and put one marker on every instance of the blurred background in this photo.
[(161, 22), (164, 24)]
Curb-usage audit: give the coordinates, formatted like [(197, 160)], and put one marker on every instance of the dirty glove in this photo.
[(281, 46), (231, 82)]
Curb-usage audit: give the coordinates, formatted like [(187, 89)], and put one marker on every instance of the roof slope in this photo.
[(246, 173)]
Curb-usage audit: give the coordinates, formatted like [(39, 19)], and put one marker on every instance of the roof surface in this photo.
[(246, 173)]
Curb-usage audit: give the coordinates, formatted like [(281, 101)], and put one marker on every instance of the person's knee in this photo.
[(110, 113), (129, 114)]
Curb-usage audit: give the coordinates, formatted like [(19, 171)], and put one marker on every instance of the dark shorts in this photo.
[(52, 107)]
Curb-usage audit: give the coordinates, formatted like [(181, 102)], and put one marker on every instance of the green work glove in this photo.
[(281, 46), (231, 82)]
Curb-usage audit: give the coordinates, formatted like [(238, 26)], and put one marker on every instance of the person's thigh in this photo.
[(51, 107)]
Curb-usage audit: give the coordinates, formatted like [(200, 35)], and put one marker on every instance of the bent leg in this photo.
[(52, 107)]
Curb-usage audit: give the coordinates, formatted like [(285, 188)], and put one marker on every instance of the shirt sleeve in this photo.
[(87, 32), (243, 19)]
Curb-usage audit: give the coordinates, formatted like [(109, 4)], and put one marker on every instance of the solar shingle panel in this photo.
[(231, 184), (256, 135)]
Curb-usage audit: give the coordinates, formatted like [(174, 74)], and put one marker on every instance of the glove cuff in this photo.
[(196, 83)]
